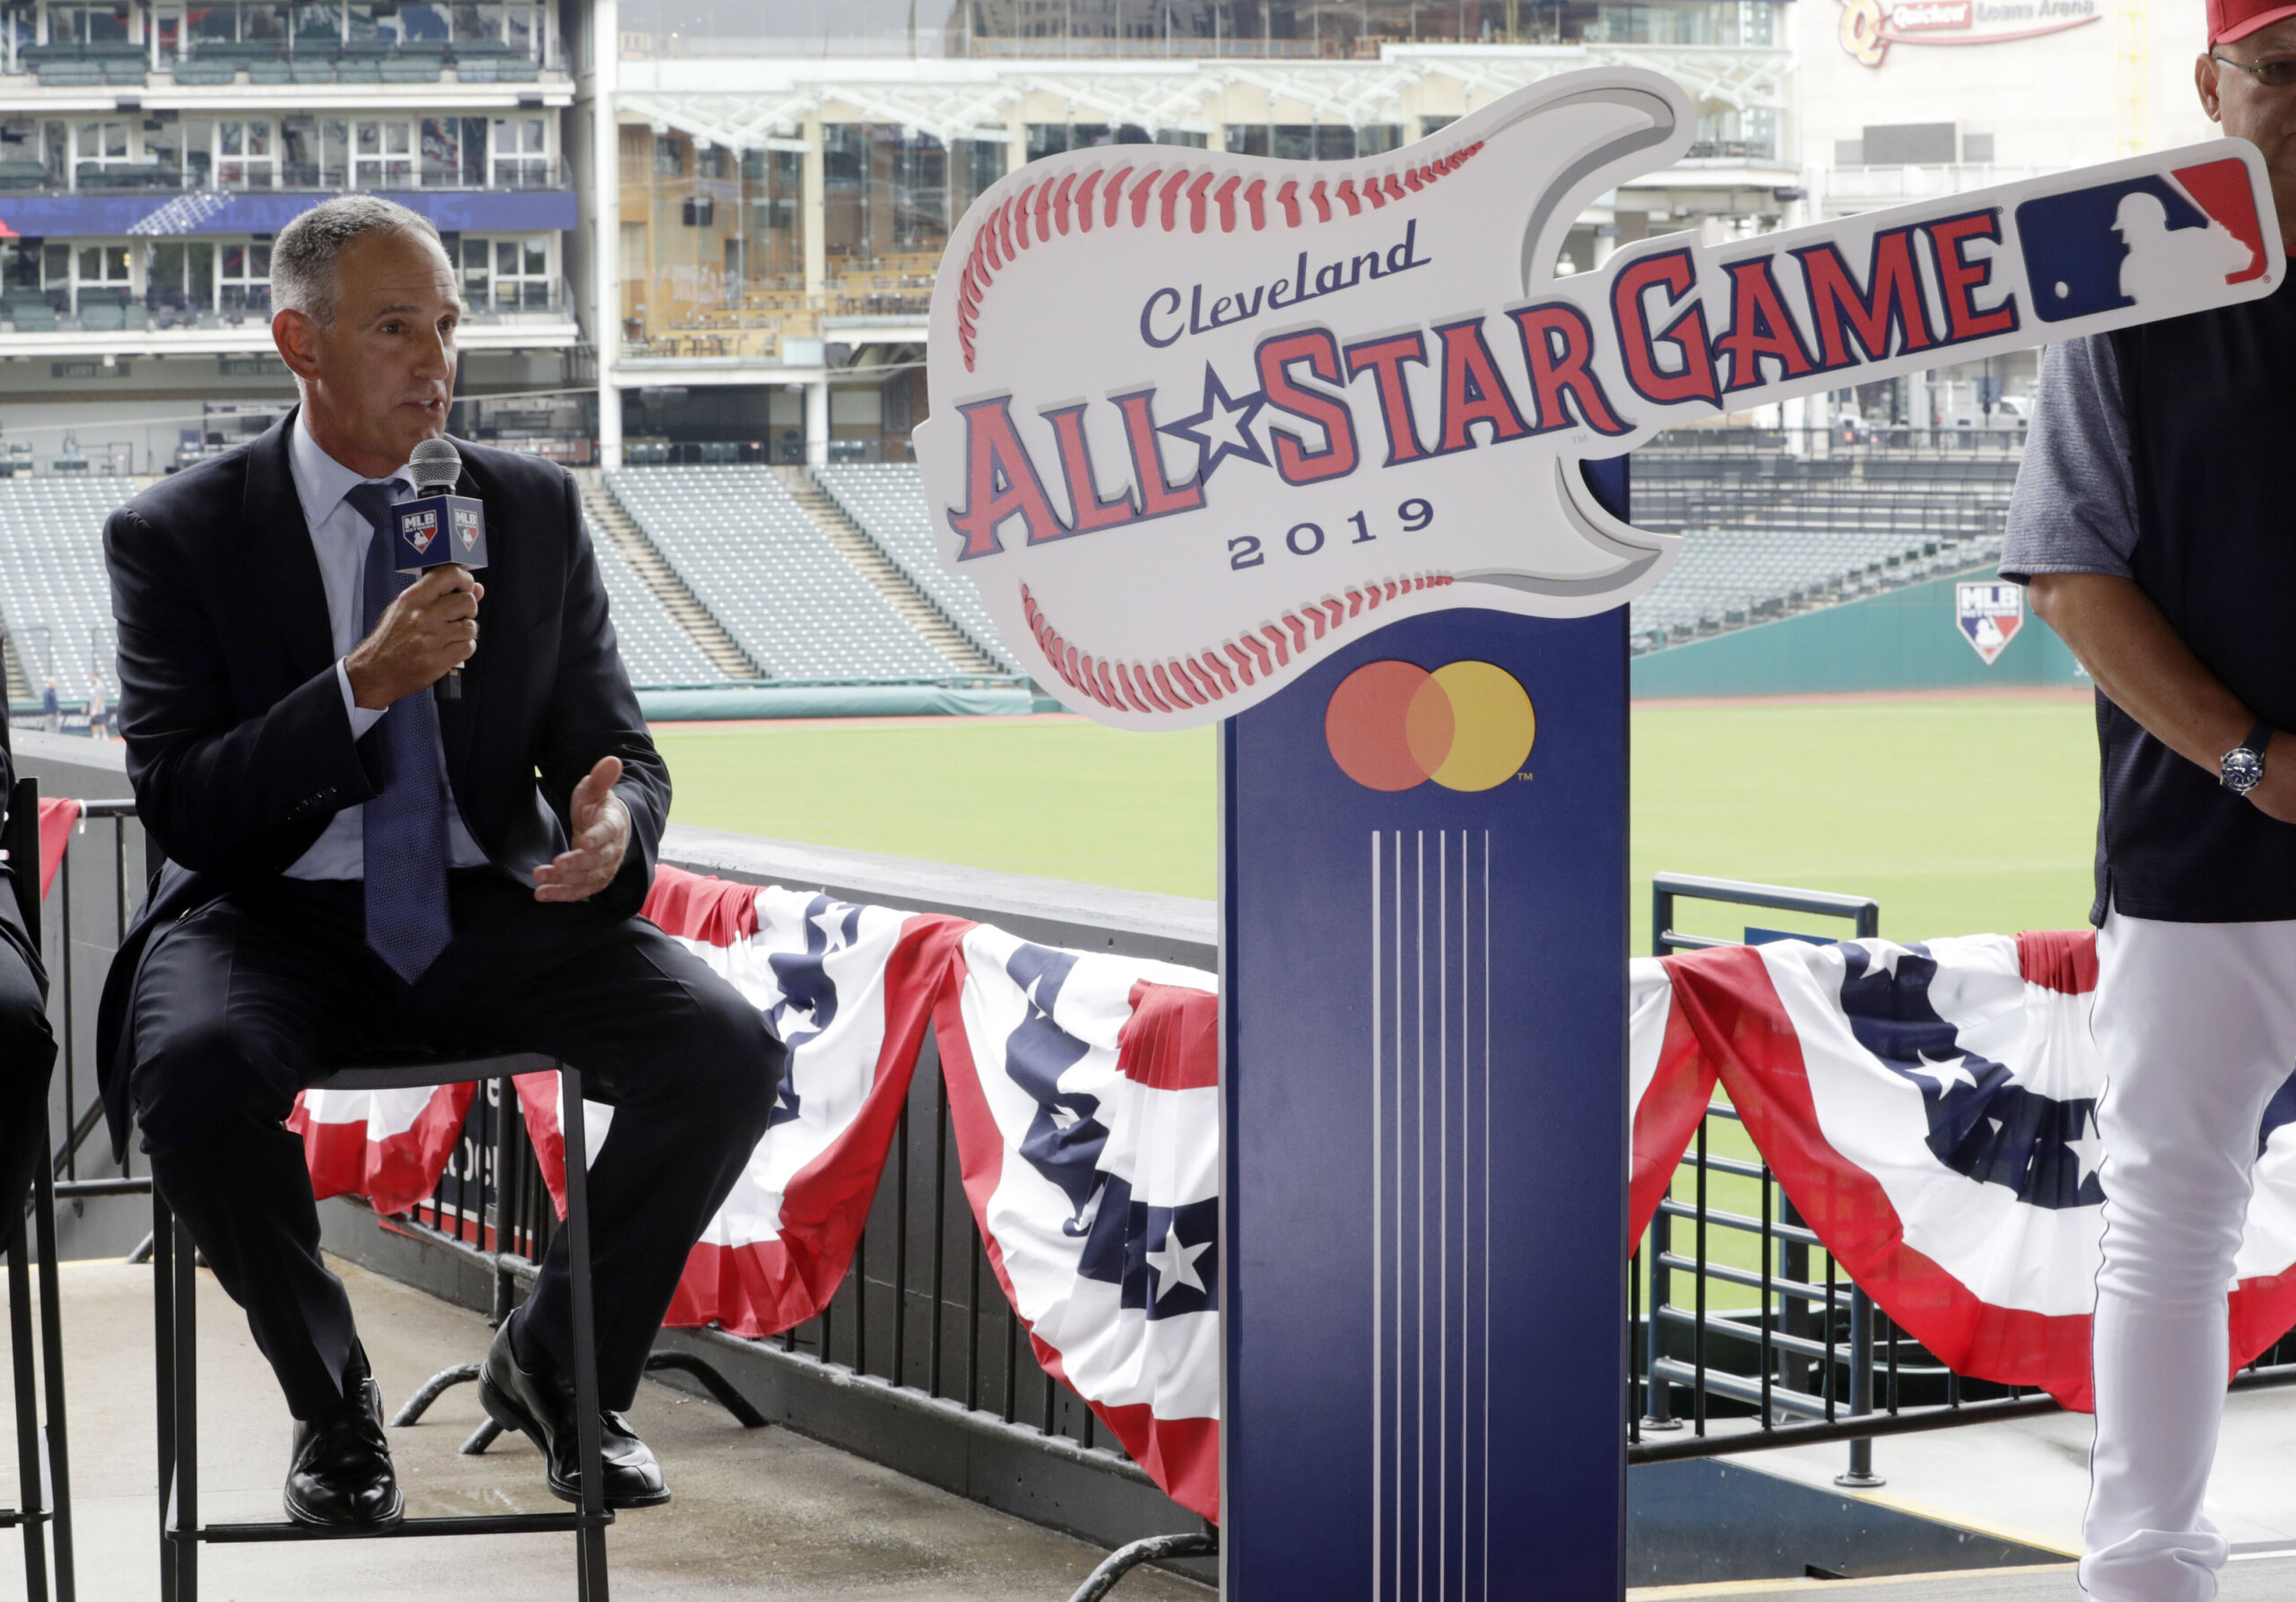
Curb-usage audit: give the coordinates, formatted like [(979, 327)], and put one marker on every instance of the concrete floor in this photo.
[(2028, 1479), (756, 1514)]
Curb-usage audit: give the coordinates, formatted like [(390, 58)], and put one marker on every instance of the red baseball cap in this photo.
[(2229, 20)]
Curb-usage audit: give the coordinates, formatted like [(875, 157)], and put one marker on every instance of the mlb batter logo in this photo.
[(467, 526), (418, 529), (2144, 241), (1989, 615)]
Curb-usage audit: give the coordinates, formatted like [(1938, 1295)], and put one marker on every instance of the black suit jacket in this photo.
[(239, 746)]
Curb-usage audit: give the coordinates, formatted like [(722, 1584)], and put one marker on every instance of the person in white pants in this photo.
[(2151, 521)]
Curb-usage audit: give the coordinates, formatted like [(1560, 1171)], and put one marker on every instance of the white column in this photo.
[(812, 207), (817, 423), (606, 225)]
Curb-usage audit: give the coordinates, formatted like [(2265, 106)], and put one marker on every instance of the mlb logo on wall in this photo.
[(1989, 615), (418, 529)]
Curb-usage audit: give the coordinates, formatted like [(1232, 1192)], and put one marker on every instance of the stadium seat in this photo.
[(887, 500), (771, 577)]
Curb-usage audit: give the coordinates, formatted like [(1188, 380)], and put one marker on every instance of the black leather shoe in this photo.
[(341, 1475), (539, 1404)]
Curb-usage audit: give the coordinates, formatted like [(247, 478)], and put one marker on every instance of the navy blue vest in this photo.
[(2210, 402)]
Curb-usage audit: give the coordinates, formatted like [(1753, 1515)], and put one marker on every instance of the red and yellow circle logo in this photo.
[(1393, 726)]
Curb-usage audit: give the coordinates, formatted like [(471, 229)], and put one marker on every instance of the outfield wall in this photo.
[(1901, 639)]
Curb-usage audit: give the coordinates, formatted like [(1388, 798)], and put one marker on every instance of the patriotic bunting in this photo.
[(1084, 1089), (1931, 1111)]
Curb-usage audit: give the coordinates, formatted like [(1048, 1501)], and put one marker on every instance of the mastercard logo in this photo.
[(1394, 725)]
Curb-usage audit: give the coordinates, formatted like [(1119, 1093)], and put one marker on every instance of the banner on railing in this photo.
[(1083, 1090), (1931, 1112)]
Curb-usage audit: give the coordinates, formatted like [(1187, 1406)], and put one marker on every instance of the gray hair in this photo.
[(304, 255)]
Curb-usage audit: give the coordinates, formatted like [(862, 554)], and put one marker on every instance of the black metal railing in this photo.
[(1778, 1338), (99, 885)]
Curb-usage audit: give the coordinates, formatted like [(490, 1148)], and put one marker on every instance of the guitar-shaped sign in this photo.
[(1195, 418)]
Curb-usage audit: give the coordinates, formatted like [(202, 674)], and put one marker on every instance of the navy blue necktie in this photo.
[(406, 825)]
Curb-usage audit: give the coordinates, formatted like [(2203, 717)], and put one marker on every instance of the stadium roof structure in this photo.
[(981, 99)]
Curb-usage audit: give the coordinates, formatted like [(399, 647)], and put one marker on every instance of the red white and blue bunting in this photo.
[(1929, 1109), (1084, 1091)]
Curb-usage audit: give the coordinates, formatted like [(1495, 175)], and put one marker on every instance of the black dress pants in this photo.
[(247, 1001), (27, 1058)]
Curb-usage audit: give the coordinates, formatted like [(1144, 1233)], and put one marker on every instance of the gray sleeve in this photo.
[(2074, 507)]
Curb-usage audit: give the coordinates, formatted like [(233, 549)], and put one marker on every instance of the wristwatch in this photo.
[(2243, 766)]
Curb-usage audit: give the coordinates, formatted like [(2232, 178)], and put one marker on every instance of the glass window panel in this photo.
[(89, 269), (538, 258), (371, 138), (235, 261), (1293, 142), (396, 139), (259, 262), (212, 24), (475, 255), (505, 256), (230, 137), (258, 139), (425, 22), (535, 133), (56, 266), (1335, 145)]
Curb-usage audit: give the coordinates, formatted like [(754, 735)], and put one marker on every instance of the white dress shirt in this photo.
[(339, 538)]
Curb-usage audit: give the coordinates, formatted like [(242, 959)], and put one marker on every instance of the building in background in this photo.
[(1907, 99), (785, 174), (150, 151)]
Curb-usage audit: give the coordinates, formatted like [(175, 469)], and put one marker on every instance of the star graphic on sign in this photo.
[(1948, 1074), (1175, 1264), (1222, 429), (2088, 1149)]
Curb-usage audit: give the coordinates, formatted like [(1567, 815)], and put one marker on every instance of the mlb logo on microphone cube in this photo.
[(418, 529)]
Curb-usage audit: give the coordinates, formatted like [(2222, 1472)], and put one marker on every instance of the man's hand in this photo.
[(601, 836), (431, 627)]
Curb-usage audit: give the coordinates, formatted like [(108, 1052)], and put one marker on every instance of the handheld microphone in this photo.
[(437, 526)]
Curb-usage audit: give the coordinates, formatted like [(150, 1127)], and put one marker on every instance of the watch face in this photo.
[(2242, 770)]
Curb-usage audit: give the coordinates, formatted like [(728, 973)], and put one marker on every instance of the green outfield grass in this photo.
[(1957, 815)]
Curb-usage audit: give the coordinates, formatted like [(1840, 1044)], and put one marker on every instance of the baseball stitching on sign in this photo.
[(1156, 193), (1203, 677)]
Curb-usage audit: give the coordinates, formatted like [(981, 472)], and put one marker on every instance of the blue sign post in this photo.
[(1423, 1268)]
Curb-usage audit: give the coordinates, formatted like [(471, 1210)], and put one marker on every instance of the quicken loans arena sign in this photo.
[(1198, 418)]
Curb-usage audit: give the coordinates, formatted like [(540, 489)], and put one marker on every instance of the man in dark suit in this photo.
[(356, 867), (27, 1046)]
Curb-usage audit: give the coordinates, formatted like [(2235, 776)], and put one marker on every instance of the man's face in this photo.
[(2265, 117), (379, 377)]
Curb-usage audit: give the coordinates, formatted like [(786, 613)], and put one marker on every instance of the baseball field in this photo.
[(1957, 815)]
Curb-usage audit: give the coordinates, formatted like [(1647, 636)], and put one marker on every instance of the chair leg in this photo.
[(51, 1338), (590, 1558), (30, 1504), (163, 1303), (187, 1399)]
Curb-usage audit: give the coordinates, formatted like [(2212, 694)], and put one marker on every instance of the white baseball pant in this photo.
[(2196, 1026)]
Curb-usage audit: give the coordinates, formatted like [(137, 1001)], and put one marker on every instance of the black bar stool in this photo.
[(43, 1465), (175, 1317)]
